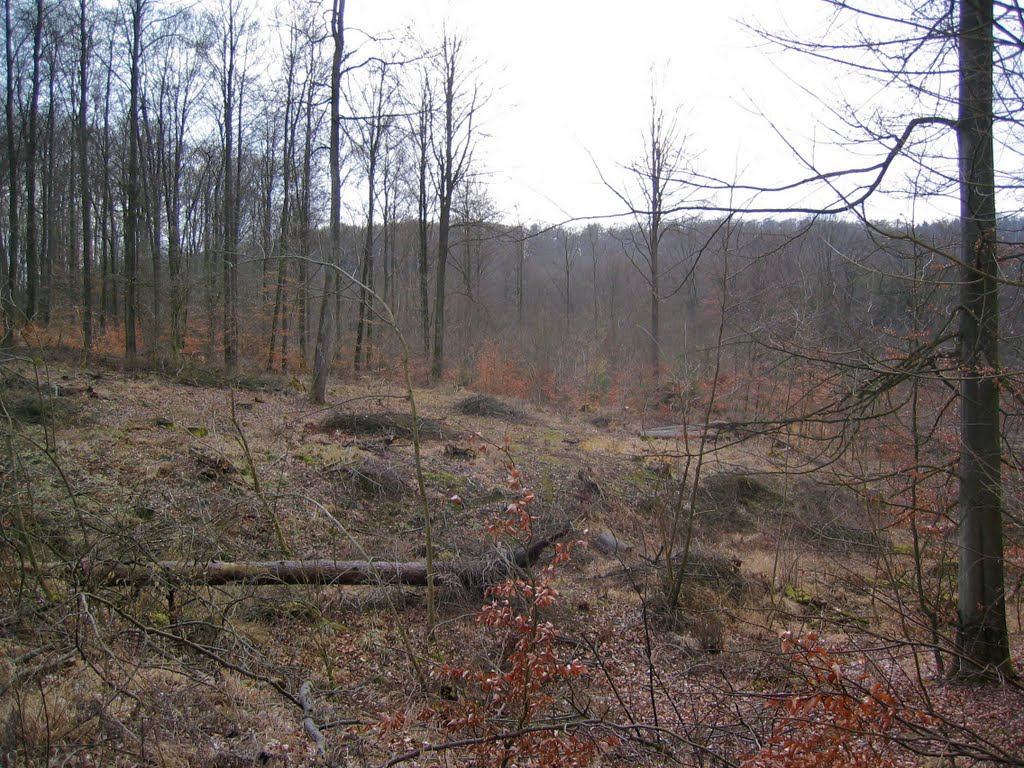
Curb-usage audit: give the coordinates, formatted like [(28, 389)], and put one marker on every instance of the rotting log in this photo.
[(472, 573)]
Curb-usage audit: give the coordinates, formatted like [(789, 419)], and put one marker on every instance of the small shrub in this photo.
[(510, 714), (835, 717)]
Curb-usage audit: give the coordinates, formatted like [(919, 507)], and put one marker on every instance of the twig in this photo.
[(308, 724)]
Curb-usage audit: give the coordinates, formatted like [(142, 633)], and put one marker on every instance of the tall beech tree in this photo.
[(326, 331), (135, 12), (84, 52), (291, 120), (421, 129), (236, 26), (655, 187), (178, 85), (982, 638), (31, 165), (962, 35), (452, 146), (10, 283), (368, 135)]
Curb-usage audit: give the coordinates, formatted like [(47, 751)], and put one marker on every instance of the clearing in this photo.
[(110, 481)]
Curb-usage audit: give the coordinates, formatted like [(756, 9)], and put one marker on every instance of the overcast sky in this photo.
[(571, 81)]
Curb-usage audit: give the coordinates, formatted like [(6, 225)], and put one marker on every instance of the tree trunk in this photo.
[(10, 286), (280, 313), (132, 214), (451, 167), (520, 270), (83, 152), (443, 231), (306, 226), (468, 574), (51, 210), (326, 331), (423, 221), (654, 238), (230, 240), (366, 274), (108, 232), (153, 194), (32, 147), (982, 639)]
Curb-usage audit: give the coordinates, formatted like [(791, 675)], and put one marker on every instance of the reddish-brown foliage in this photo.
[(837, 717)]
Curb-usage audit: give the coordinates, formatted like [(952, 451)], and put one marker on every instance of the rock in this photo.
[(607, 543)]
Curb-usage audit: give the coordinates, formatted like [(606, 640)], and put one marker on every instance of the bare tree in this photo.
[(422, 129), (655, 187), (84, 51), (326, 329), (10, 284), (570, 250), (291, 120), (453, 144), (369, 139), (982, 638), (927, 36), (136, 12), (31, 161), (236, 27), (179, 81)]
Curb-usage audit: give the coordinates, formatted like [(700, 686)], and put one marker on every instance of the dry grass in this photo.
[(193, 675)]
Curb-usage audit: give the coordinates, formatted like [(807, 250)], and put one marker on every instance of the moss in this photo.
[(798, 595), (441, 479), (300, 609), (330, 628), (327, 455), (552, 437), (642, 478)]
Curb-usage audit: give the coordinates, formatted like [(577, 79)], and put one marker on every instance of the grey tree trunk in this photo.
[(366, 288), (324, 353), (423, 208), (86, 182), (10, 284), (32, 147), (452, 154), (133, 208), (230, 238), (982, 639), (653, 248)]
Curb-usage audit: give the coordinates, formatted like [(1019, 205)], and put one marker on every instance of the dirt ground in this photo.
[(102, 467)]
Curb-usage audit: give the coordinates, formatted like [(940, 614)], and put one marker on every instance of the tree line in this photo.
[(168, 168), (165, 163)]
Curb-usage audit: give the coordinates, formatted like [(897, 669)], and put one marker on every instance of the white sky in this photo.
[(571, 79)]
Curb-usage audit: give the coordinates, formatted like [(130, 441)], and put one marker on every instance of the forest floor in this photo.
[(102, 466)]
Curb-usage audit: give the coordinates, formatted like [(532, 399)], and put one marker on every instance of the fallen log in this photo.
[(467, 574), (692, 431)]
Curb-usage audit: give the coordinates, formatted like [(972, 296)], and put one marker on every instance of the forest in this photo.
[(316, 454)]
